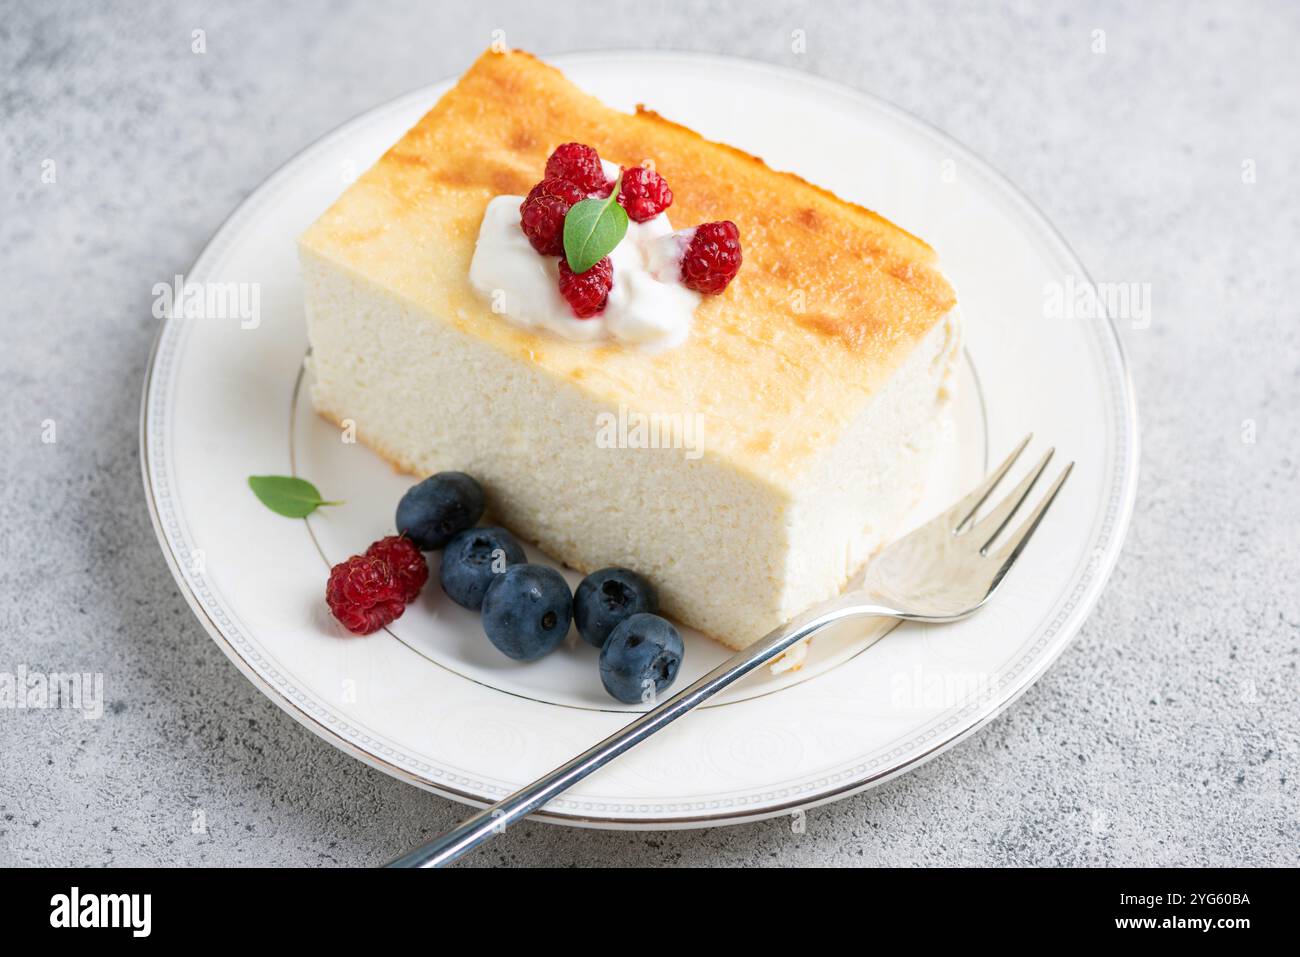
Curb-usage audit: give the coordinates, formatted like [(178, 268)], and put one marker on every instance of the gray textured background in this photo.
[(1167, 734)]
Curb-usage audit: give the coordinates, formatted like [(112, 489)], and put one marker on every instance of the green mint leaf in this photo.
[(592, 229), (287, 496)]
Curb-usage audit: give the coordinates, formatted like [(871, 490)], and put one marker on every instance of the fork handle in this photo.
[(494, 820)]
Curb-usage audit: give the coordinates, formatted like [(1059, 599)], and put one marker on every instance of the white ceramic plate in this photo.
[(429, 700)]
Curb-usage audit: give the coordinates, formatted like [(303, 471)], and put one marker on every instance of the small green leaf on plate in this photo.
[(592, 229), (286, 495)]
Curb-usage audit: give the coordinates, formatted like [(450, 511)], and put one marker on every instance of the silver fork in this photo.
[(944, 571)]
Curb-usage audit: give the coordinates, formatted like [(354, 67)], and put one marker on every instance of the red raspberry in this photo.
[(364, 595), (579, 165), (587, 292), (644, 194), (405, 560), (541, 214), (713, 257), (553, 186)]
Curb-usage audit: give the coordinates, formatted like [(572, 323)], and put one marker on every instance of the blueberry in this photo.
[(606, 597), (643, 652), (431, 512), (472, 558), (527, 610)]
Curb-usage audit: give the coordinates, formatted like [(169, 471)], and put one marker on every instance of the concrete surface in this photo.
[(1167, 734)]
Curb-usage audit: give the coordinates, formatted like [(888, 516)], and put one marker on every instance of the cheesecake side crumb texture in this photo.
[(817, 378)]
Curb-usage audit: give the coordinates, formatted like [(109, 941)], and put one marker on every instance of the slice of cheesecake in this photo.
[(793, 425)]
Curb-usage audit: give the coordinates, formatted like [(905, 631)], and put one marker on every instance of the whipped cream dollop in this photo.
[(648, 306)]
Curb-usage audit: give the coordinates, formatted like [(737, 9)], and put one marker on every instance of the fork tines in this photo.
[(962, 515)]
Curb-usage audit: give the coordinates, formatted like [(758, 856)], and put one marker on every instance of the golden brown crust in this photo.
[(829, 301)]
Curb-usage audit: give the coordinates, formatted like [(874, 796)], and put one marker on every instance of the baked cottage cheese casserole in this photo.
[(746, 451)]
